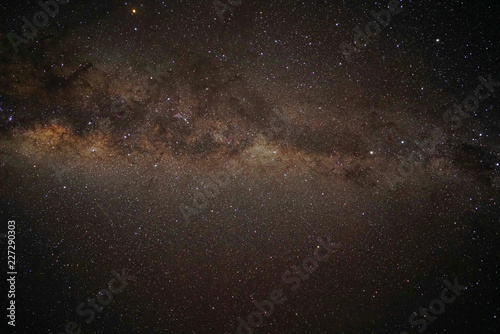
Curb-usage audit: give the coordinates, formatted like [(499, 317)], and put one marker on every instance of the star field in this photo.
[(207, 152)]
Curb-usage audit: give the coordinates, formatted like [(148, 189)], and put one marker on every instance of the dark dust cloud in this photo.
[(211, 154)]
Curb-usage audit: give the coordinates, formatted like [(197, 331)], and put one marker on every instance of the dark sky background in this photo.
[(117, 115)]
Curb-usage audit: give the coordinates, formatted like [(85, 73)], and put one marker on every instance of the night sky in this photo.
[(251, 166)]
